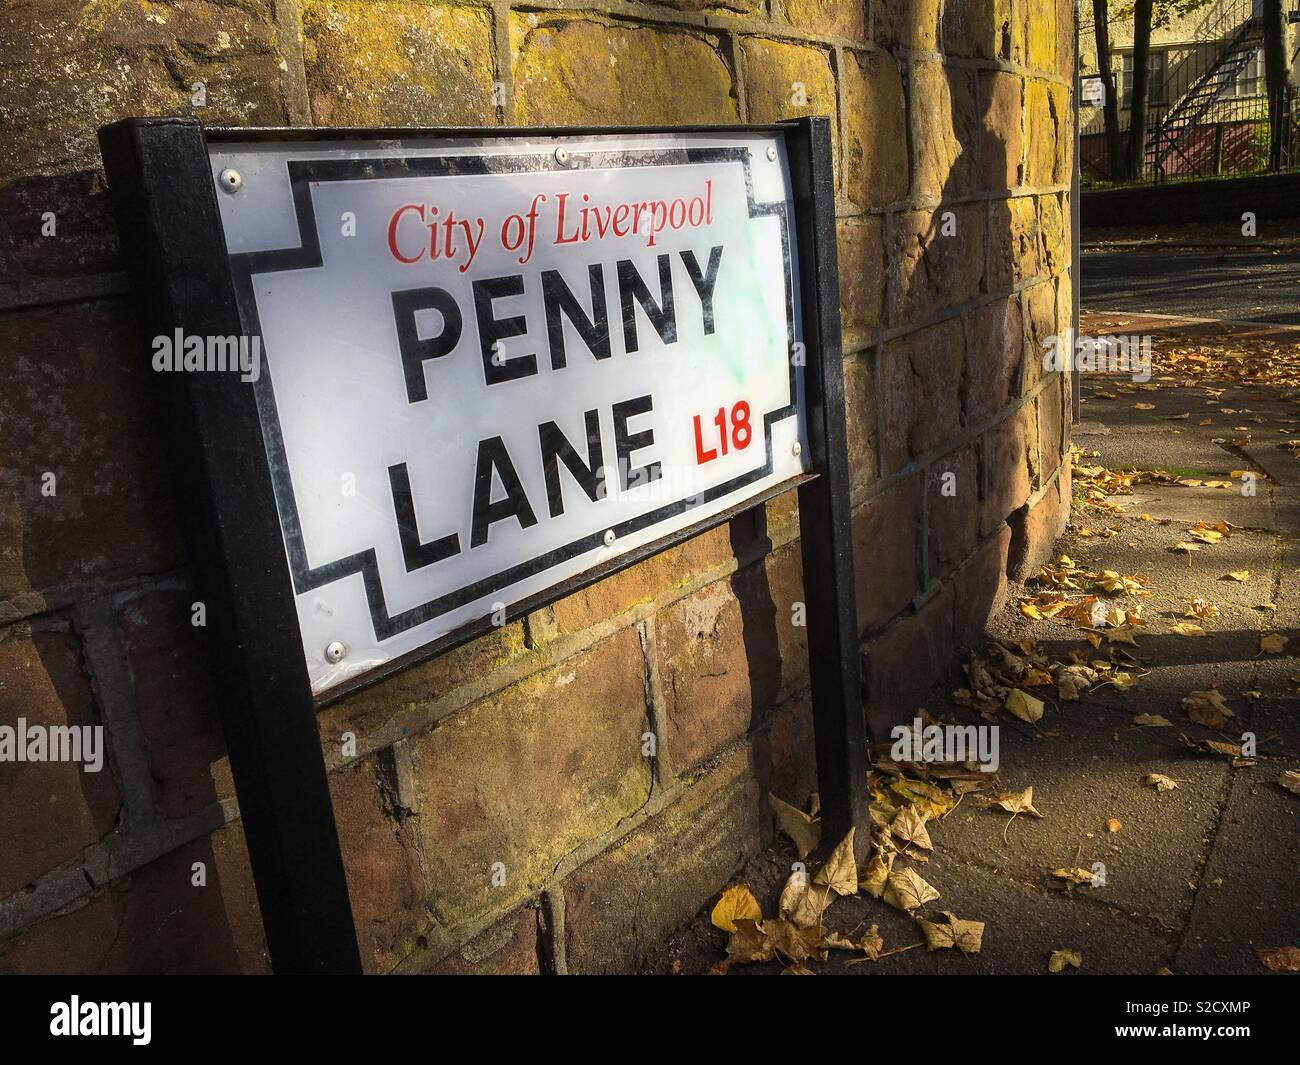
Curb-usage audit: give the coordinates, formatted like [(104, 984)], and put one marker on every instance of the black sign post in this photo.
[(174, 247)]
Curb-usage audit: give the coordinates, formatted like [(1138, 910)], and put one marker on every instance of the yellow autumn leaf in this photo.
[(1023, 706), (1239, 575), (1061, 958), (840, 873), (1273, 643), (736, 903), (1186, 628)]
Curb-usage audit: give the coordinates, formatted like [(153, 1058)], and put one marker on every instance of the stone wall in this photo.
[(953, 135)]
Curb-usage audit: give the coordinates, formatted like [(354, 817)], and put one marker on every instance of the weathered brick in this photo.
[(524, 776), (830, 18), (861, 248), (952, 511), (995, 340), (1010, 466), (910, 23), (380, 848), (397, 64), (920, 392), (52, 810), (158, 920), (785, 752), (507, 948), (944, 130), (422, 684), (727, 653), (1035, 529), (860, 414), (1039, 18), (1051, 426), (981, 29), (570, 71), (1052, 233), (1048, 153), (67, 68), (905, 661), (622, 904), (789, 81), (1014, 242), (887, 570), (176, 702), (932, 271), (77, 403), (642, 583), (876, 165), (1001, 140), (1040, 326), (980, 590)]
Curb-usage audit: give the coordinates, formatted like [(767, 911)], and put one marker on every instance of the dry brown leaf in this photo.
[(1186, 628), (1207, 708), (1273, 643), (1290, 779), (1153, 721), (1280, 959), (748, 943), (797, 826), (1061, 958), (1023, 706), (909, 826), (906, 891), (840, 873), (1240, 575), (1016, 802), (803, 904), (1074, 874), (1160, 782), (966, 936)]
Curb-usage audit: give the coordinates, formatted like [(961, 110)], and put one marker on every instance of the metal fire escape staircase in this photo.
[(1238, 22)]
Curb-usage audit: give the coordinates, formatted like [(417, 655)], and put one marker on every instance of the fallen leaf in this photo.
[(906, 891), (1160, 782), (1186, 628), (748, 943), (1016, 802), (1238, 575), (966, 936), (909, 826), (1273, 643), (1290, 779), (840, 873), (1280, 959), (797, 826), (1153, 721), (1207, 708), (1023, 706), (1074, 875), (1061, 958), (801, 903), (736, 903), (1113, 824)]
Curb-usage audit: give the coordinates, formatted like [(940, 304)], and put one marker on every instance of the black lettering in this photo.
[(492, 330), (492, 455), (556, 449), (558, 299), (632, 287), (704, 284), (415, 349), (625, 443), (415, 554)]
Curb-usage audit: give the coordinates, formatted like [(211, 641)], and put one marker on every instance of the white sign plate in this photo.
[(490, 365), (1092, 92)]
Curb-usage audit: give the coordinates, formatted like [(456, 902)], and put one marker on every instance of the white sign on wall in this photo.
[(489, 366), (1092, 92)]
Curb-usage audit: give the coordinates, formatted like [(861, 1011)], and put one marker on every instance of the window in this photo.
[(1250, 79), (1155, 80)]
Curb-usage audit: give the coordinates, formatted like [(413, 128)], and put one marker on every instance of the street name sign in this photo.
[(490, 365), (424, 382)]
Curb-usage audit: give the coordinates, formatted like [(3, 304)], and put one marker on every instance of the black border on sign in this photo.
[(174, 250), (303, 175)]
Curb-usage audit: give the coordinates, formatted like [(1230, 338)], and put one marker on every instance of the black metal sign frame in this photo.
[(174, 249)]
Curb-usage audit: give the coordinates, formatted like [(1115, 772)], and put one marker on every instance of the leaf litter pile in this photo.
[(1015, 679)]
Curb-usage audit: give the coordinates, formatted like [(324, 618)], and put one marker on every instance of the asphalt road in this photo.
[(1227, 285)]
